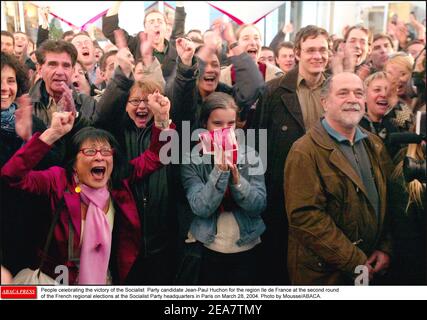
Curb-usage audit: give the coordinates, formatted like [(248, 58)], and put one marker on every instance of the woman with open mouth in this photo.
[(98, 233), (127, 116), (381, 117)]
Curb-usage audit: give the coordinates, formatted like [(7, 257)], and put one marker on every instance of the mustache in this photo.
[(352, 106)]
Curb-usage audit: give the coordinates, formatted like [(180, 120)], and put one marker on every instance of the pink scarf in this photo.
[(96, 246)]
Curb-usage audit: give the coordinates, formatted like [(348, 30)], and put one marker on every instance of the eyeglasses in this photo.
[(137, 102), (312, 51), (90, 152)]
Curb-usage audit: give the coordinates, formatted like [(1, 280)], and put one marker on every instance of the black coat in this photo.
[(278, 110), (154, 194)]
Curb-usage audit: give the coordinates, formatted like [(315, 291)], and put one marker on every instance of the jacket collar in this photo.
[(39, 94), (321, 137), (289, 97)]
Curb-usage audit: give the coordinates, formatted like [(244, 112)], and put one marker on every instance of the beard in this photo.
[(349, 115)]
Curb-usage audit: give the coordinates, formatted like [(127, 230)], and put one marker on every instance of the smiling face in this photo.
[(398, 77), (250, 41), (376, 98), (208, 81), (56, 69), (94, 171), (358, 45), (9, 87), (137, 108), (21, 42), (313, 55), (345, 104), (85, 49)]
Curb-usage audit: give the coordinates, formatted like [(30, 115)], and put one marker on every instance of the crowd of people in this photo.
[(84, 184)]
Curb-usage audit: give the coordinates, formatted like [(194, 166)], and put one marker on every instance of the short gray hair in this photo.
[(326, 87)]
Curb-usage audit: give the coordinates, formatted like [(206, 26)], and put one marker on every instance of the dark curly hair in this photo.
[(20, 71)]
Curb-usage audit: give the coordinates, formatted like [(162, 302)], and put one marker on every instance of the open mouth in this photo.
[(141, 115), (209, 78), (252, 51), (383, 103), (4, 97), (98, 172)]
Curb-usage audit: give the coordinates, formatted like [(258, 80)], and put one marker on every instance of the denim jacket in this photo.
[(205, 186)]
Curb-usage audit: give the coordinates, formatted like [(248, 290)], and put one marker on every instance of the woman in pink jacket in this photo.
[(98, 233)]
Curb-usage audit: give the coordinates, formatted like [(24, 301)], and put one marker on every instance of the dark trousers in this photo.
[(228, 269)]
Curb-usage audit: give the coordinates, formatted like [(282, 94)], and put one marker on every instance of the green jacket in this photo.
[(333, 227)]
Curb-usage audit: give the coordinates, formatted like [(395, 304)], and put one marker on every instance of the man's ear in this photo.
[(297, 54), (103, 75), (323, 101)]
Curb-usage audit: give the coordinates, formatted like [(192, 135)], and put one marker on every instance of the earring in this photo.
[(77, 189)]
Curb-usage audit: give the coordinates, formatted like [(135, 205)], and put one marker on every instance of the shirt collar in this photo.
[(301, 81), (339, 137), (166, 42)]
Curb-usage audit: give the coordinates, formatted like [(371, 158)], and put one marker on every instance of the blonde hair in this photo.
[(244, 26), (414, 188), (147, 87), (375, 76), (401, 59)]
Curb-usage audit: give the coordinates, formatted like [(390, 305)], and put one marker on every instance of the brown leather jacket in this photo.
[(332, 225)]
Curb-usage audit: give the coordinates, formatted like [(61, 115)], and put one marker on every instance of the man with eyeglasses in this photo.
[(289, 107)]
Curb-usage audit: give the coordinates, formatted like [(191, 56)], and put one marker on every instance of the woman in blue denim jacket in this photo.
[(226, 200)]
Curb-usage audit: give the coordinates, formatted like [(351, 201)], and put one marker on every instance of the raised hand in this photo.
[(120, 39), (185, 49), (66, 103), (62, 123), (337, 62), (219, 158), (160, 107), (146, 48), (364, 70), (44, 13), (288, 28), (24, 118), (228, 33), (234, 173)]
